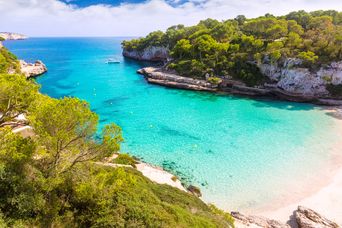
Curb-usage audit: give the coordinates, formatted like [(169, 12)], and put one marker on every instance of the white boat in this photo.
[(112, 61)]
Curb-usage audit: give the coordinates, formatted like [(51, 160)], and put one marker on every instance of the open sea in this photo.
[(243, 153)]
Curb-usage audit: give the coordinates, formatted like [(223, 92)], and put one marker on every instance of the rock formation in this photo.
[(12, 36), (32, 70), (155, 54), (292, 77), (241, 221), (158, 76), (307, 218), (303, 218)]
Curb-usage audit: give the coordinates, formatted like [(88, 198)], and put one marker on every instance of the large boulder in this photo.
[(307, 218)]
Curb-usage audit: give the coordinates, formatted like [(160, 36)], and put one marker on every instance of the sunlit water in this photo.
[(242, 153)]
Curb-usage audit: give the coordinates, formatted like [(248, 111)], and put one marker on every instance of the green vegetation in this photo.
[(53, 180), (235, 47), (124, 159), (8, 62)]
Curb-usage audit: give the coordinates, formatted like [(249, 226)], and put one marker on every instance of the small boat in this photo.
[(112, 61)]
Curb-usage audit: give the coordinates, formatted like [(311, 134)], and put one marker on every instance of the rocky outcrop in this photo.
[(241, 220), (166, 78), (155, 54), (32, 70), (158, 76), (307, 218), (291, 77), (12, 36)]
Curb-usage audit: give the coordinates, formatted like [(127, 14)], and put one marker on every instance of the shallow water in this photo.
[(242, 153)]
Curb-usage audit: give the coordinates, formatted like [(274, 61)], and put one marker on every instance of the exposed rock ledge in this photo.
[(159, 76), (303, 218), (12, 36), (32, 70)]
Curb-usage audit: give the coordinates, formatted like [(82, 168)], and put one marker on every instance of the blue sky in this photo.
[(85, 3), (134, 17)]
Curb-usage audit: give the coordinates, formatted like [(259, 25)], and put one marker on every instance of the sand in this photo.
[(325, 196), (159, 175)]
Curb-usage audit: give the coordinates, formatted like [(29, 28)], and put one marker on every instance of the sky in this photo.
[(45, 18)]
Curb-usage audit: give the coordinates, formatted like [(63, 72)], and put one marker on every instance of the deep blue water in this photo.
[(242, 153)]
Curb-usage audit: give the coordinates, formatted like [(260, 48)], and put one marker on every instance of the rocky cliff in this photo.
[(292, 77), (155, 54), (12, 36), (32, 70)]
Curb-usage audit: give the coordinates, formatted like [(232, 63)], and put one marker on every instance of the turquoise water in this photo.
[(242, 153)]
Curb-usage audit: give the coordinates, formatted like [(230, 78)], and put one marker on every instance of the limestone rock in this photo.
[(307, 218), (32, 70), (293, 78), (158, 76), (148, 54), (255, 221), (12, 36)]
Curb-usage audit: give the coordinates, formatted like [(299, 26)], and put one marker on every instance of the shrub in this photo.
[(214, 80), (125, 159)]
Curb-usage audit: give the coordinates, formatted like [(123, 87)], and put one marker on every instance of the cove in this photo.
[(243, 153)]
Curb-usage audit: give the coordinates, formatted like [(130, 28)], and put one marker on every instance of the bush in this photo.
[(125, 159), (214, 80)]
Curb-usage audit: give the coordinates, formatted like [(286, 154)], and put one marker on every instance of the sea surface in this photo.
[(243, 153)]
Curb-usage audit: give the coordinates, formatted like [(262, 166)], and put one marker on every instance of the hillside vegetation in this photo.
[(52, 180), (235, 47)]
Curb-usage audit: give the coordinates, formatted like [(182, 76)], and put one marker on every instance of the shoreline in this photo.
[(324, 196), (158, 76)]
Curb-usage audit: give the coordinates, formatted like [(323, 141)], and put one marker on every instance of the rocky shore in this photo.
[(302, 218), (12, 36), (32, 69), (170, 79)]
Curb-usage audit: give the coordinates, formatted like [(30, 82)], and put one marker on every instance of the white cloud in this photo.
[(54, 18)]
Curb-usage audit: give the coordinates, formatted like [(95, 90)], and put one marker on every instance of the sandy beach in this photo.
[(325, 196)]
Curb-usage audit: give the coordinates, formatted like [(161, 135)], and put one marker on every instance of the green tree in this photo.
[(20, 199), (16, 96), (182, 48), (67, 130)]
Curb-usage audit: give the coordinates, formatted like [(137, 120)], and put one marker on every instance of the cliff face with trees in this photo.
[(53, 179), (246, 49)]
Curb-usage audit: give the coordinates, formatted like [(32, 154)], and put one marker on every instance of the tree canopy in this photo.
[(234, 46)]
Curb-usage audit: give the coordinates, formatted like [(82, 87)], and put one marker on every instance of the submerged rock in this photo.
[(32, 70), (307, 218)]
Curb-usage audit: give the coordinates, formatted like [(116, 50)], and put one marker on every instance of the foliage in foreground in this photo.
[(8, 61), (234, 47), (52, 180)]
